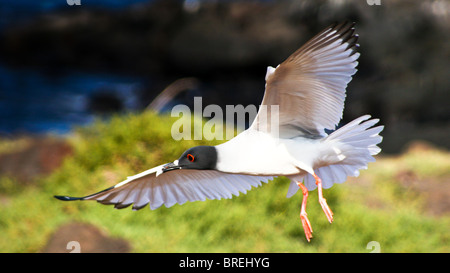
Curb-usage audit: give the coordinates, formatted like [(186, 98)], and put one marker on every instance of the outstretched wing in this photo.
[(169, 188), (309, 87)]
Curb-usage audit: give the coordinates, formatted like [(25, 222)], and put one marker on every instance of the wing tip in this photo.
[(344, 31), (343, 26), (67, 198)]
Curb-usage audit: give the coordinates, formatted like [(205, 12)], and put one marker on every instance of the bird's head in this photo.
[(199, 158)]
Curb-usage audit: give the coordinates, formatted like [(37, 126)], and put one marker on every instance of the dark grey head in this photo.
[(199, 158)]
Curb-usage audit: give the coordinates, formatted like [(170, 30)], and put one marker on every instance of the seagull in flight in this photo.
[(309, 90)]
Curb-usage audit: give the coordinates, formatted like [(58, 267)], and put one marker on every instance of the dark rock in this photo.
[(39, 157), (105, 102), (84, 238)]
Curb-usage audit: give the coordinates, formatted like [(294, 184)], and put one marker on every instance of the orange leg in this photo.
[(323, 201), (303, 216)]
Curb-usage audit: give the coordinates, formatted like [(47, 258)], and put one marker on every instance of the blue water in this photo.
[(33, 102)]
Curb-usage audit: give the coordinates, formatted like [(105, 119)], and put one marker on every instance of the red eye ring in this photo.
[(190, 157)]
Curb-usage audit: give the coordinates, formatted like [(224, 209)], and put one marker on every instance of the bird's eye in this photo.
[(190, 157)]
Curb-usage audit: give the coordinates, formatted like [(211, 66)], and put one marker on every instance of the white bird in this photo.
[(309, 88)]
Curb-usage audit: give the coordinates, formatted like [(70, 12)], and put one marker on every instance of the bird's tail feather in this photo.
[(358, 143)]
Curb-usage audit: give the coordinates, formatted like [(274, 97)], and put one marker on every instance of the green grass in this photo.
[(372, 207)]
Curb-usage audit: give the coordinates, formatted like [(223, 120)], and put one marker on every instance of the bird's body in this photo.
[(274, 159), (309, 91), (278, 157), (300, 155)]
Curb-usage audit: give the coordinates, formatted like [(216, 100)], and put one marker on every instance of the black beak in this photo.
[(169, 167)]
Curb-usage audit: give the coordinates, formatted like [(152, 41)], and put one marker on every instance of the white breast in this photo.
[(254, 152)]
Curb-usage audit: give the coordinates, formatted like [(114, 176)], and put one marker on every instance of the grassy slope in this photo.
[(373, 207)]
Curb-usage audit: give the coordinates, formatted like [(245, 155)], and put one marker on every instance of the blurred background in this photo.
[(61, 65), (65, 66)]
